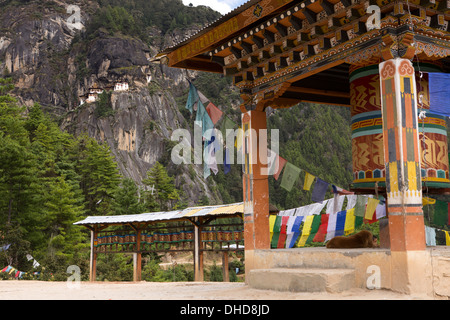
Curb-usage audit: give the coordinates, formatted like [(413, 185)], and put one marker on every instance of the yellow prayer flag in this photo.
[(309, 179), (239, 138), (447, 238), (272, 219), (306, 230), (427, 201), (349, 226), (372, 204)]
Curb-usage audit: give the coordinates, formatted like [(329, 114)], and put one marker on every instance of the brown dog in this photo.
[(362, 239)]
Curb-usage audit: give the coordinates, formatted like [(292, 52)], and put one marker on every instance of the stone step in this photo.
[(302, 280)]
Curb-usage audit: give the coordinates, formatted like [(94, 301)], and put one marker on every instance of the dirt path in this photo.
[(30, 290)]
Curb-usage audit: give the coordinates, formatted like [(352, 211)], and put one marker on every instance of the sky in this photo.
[(222, 6)]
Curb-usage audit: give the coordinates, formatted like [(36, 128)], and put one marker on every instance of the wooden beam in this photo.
[(258, 41), (236, 52), (319, 92), (269, 36), (295, 22), (281, 29), (327, 6), (310, 15), (247, 47)]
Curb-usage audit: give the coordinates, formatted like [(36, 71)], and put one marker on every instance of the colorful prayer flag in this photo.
[(227, 163), (281, 164), (272, 219), (372, 204), (341, 191), (309, 179), (322, 232), (192, 97), (340, 223), (447, 238), (440, 216), (276, 232), (360, 206), (214, 113), (320, 188), (282, 236), (439, 93), (349, 226), (290, 175), (306, 230)]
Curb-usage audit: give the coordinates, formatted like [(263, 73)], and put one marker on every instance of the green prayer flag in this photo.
[(360, 206), (276, 232), (203, 117), (192, 97), (227, 124), (290, 175), (314, 228), (440, 217)]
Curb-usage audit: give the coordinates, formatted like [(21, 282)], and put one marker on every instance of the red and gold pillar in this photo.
[(403, 176), (255, 185)]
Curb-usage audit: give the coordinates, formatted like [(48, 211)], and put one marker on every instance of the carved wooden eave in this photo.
[(282, 52)]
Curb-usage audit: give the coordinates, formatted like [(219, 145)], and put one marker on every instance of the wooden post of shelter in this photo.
[(198, 253), (93, 256), (137, 255), (225, 269)]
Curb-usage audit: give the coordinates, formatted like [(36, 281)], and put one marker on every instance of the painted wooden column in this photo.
[(255, 184), (403, 180)]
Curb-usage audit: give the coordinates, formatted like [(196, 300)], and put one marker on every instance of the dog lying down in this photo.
[(362, 239)]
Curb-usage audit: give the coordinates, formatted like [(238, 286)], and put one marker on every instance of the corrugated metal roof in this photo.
[(165, 215)]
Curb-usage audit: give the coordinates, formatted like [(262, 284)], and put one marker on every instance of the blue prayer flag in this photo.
[(439, 90)]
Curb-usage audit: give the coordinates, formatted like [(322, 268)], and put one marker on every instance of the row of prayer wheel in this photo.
[(128, 241)]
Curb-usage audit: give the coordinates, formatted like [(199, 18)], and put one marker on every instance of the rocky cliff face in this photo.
[(51, 65)]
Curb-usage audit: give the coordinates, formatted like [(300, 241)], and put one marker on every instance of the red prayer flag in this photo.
[(281, 163), (283, 235), (214, 113), (322, 232)]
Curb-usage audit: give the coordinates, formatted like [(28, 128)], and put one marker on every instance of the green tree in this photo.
[(99, 175), (163, 194), (127, 199)]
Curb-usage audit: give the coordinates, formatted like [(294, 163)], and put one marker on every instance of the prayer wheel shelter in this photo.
[(375, 57), (194, 229)]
